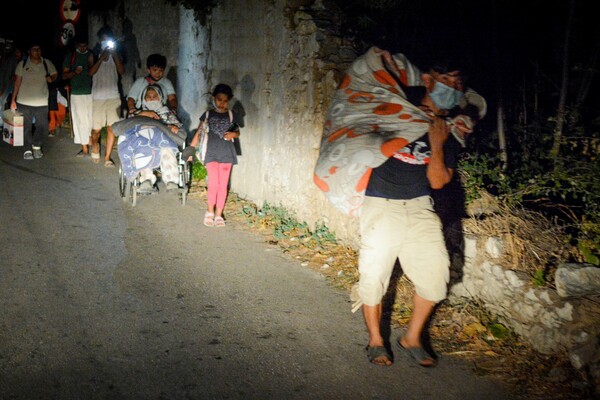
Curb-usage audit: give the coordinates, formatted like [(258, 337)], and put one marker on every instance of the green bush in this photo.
[(198, 171)]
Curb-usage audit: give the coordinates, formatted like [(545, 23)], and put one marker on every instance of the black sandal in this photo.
[(375, 354)]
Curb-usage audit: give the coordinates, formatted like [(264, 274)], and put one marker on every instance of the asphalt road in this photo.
[(101, 300)]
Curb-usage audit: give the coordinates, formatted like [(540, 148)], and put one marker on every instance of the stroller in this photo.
[(139, 142)]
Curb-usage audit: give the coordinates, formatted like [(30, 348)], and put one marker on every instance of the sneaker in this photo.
[(28, 155), (37, 152), (172, 186), (52, 134)]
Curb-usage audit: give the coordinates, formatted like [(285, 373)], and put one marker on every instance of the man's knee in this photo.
[(371, 290)]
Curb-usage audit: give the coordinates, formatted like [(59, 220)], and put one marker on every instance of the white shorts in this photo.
[(105, 112), (408, 230)]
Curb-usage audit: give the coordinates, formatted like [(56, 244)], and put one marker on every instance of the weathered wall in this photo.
[(271, 55)]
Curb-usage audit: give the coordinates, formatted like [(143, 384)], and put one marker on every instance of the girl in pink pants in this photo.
[(220, 129)]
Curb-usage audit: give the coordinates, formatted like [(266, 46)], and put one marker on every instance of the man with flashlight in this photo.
[(106, 98)]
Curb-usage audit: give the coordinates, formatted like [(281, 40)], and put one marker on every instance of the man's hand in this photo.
[(463, 125), (438, 133)]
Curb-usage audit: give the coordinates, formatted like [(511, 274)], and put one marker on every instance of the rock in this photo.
[(585, 354), (577, 280), (494, 247)]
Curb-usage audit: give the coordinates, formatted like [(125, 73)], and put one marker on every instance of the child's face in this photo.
[(151, 95), (222, 101), (156, 72)]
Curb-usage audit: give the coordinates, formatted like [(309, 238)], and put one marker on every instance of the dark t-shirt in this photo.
[(218, 149), (404, 175)]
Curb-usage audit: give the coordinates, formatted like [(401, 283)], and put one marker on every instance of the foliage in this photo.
[(285, 225), (565, 190), (198, 171)]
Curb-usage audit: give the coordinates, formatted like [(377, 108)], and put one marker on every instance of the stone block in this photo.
[(577, 280), (494, 247)]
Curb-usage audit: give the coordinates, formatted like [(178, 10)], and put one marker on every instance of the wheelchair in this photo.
[(130, 190)]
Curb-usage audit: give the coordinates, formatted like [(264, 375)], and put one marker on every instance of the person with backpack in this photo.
[(30, 98), (215, 139)]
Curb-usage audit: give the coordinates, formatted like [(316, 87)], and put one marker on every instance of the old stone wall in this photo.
[(551, 323)]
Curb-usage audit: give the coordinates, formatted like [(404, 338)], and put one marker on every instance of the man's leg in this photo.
[(110, 142), (372, 316), (422, 309)]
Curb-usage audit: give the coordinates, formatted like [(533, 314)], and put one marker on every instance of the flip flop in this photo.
[(375, 354), (419, 355)]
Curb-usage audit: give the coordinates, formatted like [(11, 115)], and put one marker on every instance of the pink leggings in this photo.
[(218, 180)]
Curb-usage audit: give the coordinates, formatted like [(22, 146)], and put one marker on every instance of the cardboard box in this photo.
[(12, 132)]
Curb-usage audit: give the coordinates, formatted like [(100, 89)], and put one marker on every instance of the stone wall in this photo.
[(551, 323)]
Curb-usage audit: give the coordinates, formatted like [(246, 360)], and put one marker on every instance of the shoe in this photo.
[(109, 163), (379, 355), (95, 158), (28, 155), (146, 186), (52, 134), (418, 354), (209, 219), (81, 154), (37, 152), (220, 222), (172, 186)]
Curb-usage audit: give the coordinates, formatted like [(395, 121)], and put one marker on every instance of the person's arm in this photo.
[(118, 63), (131, 105), (54, 74), (438, 173), (95, 66), (17, 87), (172, 102)]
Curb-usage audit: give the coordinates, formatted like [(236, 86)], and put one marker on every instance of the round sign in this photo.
[(67, 33), (70, 10)]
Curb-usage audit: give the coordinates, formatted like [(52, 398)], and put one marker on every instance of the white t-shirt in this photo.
[(105, 81), (34, 87)]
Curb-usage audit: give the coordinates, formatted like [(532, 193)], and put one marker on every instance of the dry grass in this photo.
[(455, 330), (533, 244)]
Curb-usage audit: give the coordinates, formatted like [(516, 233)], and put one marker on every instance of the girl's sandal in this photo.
[(219, 222), (209, 219)]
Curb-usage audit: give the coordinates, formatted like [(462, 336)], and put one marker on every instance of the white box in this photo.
[(12, 132)]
